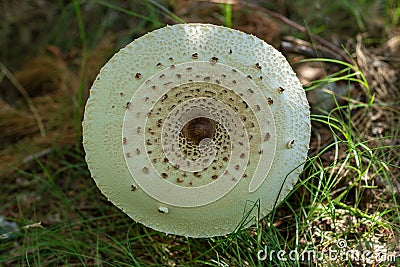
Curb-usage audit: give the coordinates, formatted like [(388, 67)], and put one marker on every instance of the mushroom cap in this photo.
[(195, 129)]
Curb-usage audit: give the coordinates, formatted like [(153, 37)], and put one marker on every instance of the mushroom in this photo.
[(187, 125)]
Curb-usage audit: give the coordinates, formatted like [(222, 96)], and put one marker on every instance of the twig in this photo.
[(294, 45), (26, 96), (26, 227), (36, 155), (33, 225), (298, 27)]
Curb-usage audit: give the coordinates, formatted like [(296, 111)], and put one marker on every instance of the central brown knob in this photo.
[(198, 129)]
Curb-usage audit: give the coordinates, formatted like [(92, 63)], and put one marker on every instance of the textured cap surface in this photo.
[(191, 125)]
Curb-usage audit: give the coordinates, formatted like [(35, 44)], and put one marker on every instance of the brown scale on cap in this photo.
[(267, 137), (145, 170)]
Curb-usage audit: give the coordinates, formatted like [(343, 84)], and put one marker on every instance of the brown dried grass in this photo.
[(50, 82)]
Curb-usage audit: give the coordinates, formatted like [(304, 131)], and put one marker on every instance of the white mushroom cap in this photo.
[(190, 124)]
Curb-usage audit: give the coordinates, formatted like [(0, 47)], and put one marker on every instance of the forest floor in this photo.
[(345, 53)]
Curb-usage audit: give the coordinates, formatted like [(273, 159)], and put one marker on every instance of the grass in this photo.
[(347, 191)]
